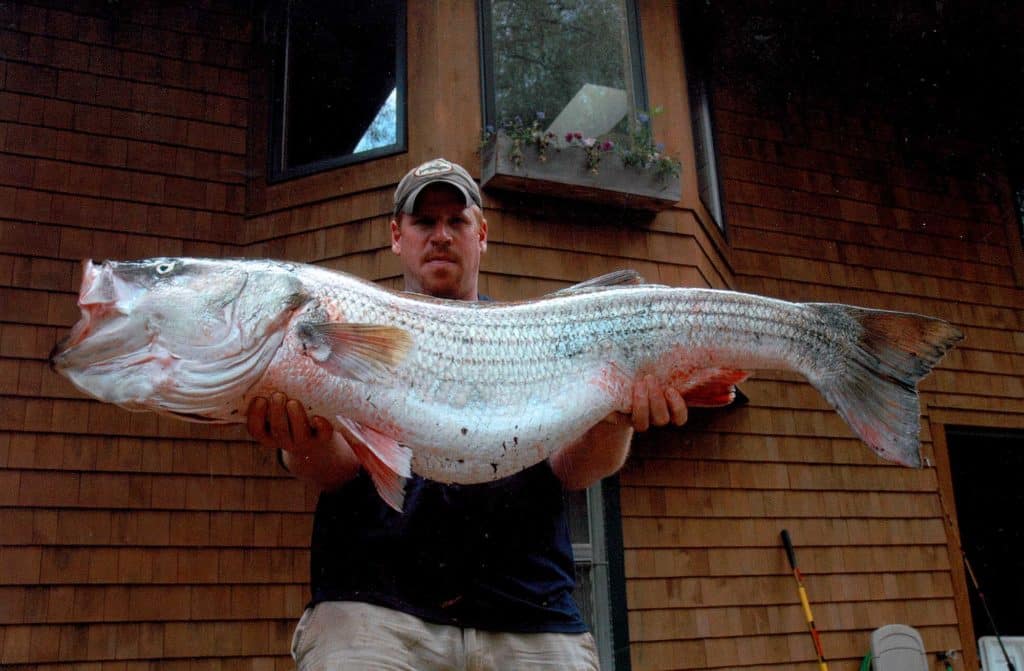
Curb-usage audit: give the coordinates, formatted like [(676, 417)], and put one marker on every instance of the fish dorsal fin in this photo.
[(388, 463), (357, 351), (615, 278)]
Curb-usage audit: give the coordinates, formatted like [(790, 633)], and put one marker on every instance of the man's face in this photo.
[(440, 244)]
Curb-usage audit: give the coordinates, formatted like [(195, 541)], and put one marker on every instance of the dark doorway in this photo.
[(987, 468)]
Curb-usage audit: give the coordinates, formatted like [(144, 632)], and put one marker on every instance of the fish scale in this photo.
[(472, 391)]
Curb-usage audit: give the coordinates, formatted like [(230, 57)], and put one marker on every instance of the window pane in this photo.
[(339, 89), (584, 595), (578, 513), (568, 60), (706, 165), (587, 527)]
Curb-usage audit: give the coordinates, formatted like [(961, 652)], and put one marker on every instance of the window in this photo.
[(596, 530), (573, 64), (706, 163), (698, 76), (985, 467), (338, 83)]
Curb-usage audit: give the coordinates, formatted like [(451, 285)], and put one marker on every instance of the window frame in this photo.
[(277, 42)]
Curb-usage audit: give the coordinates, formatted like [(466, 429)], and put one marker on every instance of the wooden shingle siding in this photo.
[(824, 205), (124, 538)]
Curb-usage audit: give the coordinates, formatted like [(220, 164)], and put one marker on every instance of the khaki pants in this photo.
[(343, 635)]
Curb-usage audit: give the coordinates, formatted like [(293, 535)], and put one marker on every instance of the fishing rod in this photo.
[(988, 613), (804, 602)]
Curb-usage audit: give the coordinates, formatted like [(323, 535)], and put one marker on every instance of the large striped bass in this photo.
[(472, 391)]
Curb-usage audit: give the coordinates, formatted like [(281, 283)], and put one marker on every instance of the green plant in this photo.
[(640, 151), (521, 135)]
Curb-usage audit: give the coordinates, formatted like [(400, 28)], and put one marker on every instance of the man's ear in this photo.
[(396, 237), (483, 234)]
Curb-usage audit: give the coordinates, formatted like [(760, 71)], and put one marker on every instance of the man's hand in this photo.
[(282, 423), (312, 450), (653, 405)]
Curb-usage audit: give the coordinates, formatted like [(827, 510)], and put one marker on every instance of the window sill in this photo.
[(564, 175)]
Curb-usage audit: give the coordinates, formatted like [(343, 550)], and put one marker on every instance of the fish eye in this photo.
[(164, 267)]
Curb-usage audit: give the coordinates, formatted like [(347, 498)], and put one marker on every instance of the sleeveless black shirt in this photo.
[(493, 556)]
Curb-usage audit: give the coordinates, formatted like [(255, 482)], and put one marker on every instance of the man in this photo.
[(467, 576)]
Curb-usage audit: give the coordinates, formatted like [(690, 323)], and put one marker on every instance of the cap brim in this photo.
[(409, 206)]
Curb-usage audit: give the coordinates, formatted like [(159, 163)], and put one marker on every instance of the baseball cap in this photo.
[(436, 170)]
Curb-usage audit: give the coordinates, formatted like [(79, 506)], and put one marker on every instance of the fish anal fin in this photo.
[(355, 351), (717, 390), (388, 463)]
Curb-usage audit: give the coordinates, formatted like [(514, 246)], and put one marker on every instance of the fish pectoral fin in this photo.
[(388, 463), (718, 390), (355, 351)]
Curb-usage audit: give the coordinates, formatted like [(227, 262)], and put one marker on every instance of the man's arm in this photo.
[(602, 451), (310, 448)]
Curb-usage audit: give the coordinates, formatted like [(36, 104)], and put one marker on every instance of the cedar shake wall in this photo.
[(825, 205), (124, 538)]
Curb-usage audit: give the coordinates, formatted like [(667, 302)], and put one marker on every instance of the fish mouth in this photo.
[(98, 299)]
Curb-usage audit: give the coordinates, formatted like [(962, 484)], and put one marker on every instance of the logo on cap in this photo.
[(438, 166)]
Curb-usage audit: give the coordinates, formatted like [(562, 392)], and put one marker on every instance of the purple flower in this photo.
[(608, 145), (568, 137), (540, 116), (642, 117), (589, 142), (577, 135), (660, 147)]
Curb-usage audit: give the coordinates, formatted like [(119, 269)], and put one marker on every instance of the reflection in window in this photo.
[(382, 131), (572, 63), (706, 165), (339, 89)]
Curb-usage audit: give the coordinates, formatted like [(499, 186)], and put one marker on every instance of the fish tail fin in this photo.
[(874, 386)]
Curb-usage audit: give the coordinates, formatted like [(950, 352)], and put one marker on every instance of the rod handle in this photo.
[(789, 549)]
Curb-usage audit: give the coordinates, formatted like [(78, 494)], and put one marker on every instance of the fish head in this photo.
[(176, 335)]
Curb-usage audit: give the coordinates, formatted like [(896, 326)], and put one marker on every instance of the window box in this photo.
[(564, 174)]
